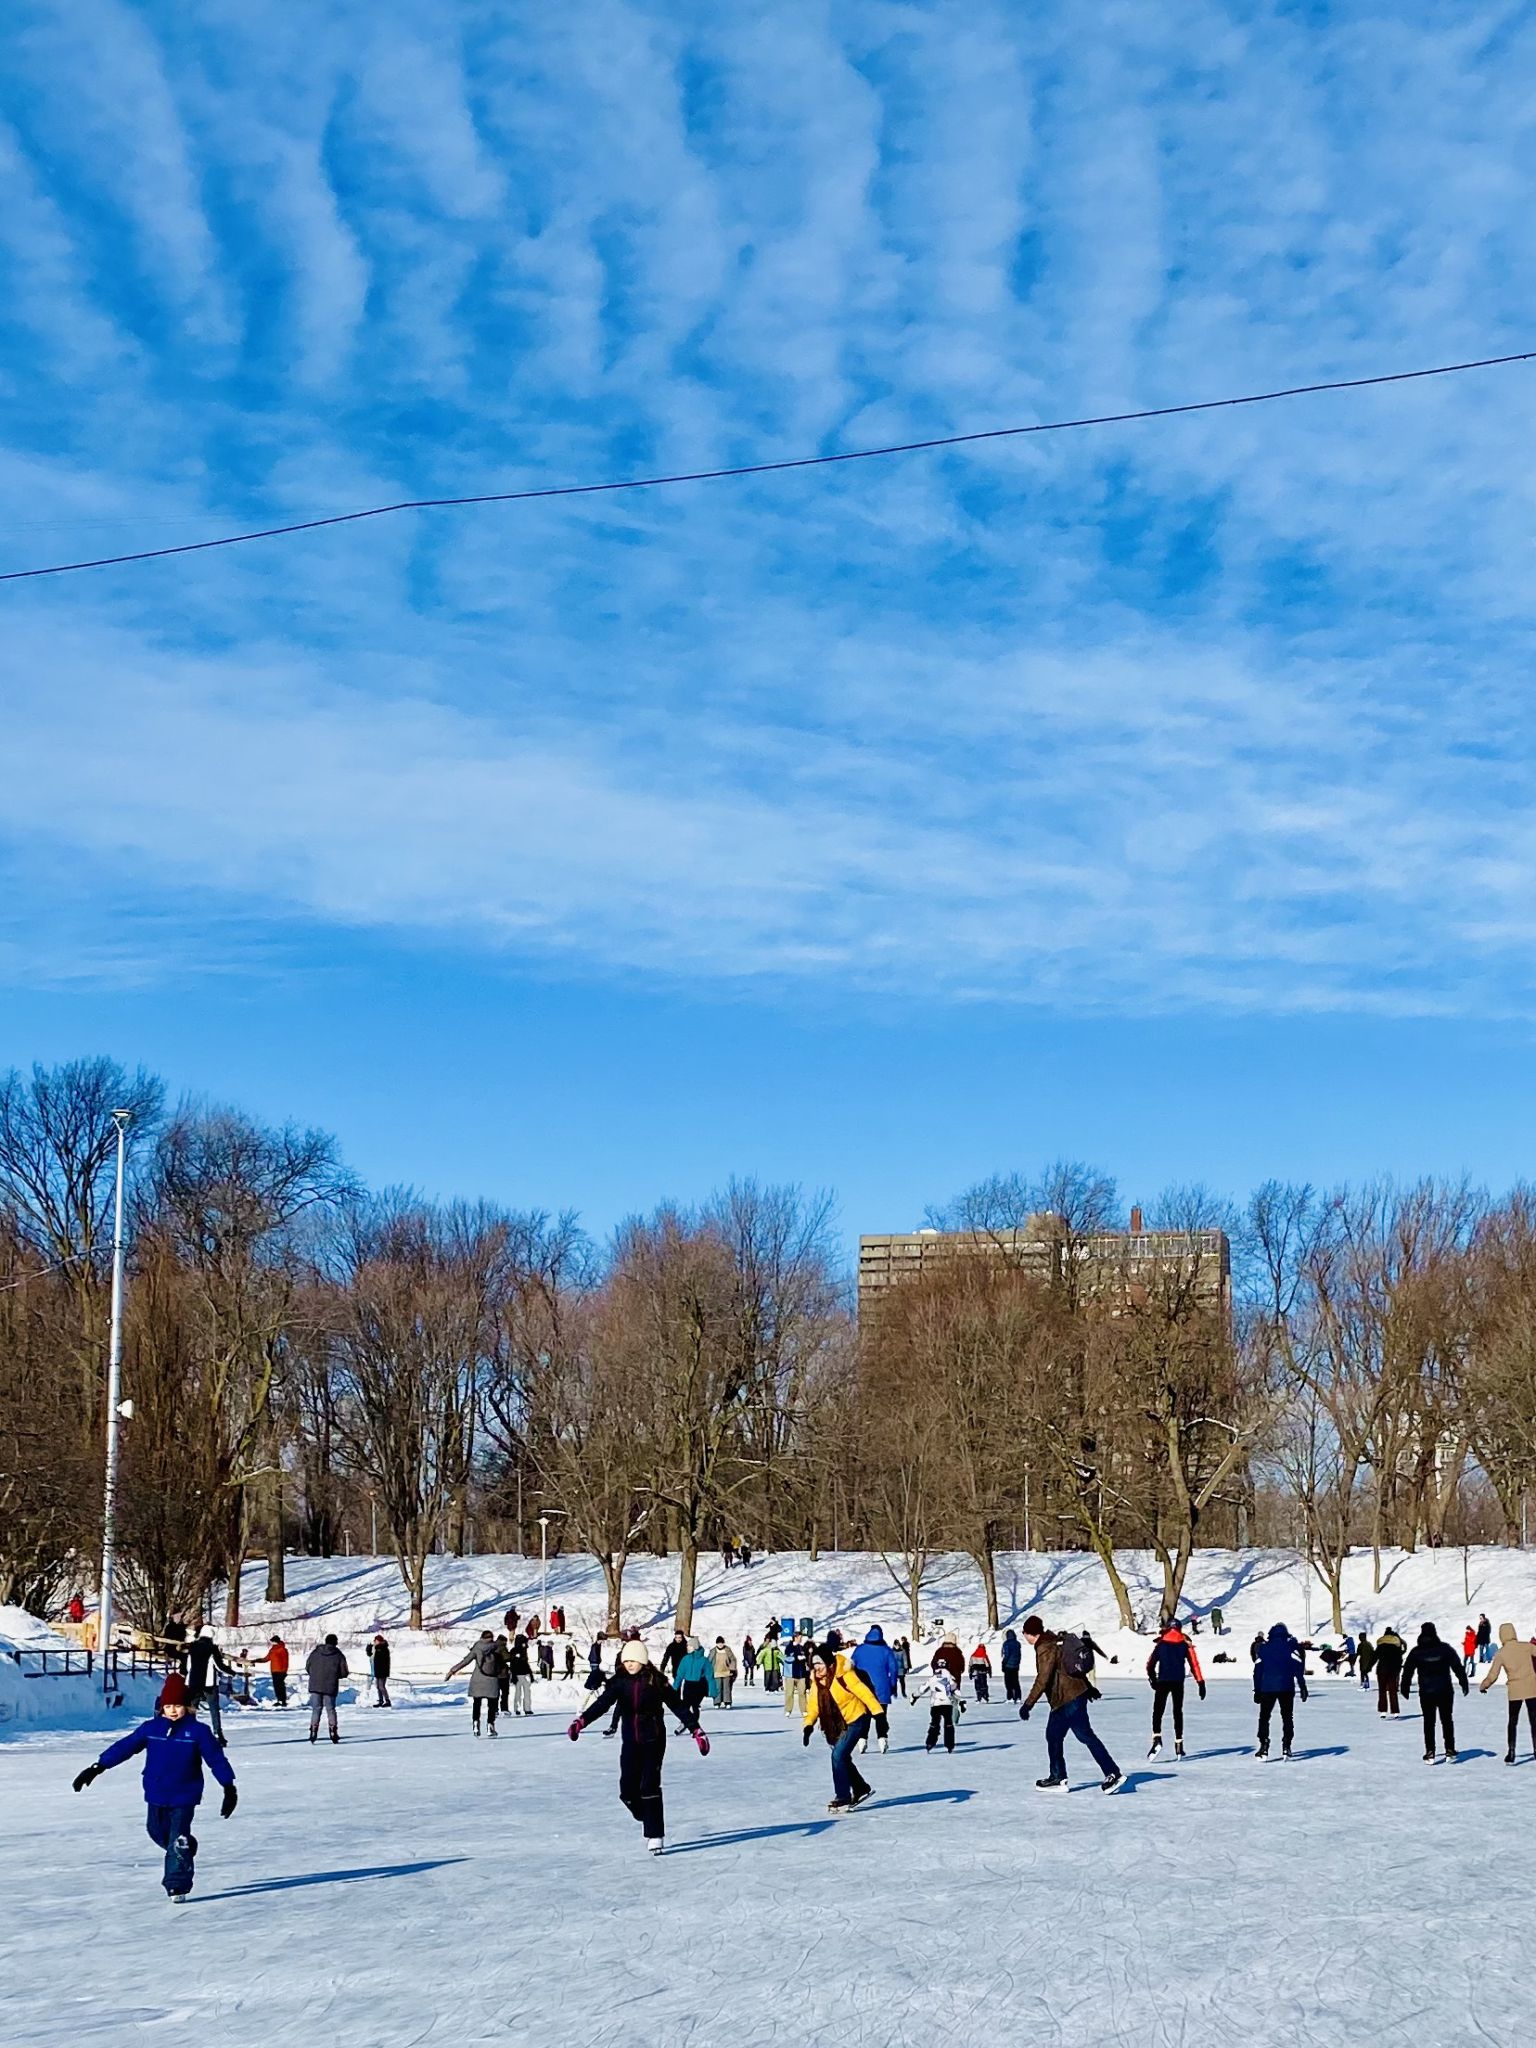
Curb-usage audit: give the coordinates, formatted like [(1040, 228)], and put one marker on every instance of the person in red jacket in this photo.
[(1469, 1646), (275, 1657), (1172, 1660)]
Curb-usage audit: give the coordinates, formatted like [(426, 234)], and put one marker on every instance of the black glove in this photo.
[(231, 1801), (87, 1776), (805, 1738), (1023, 1713), (1201, 1688), (1303, 1689)]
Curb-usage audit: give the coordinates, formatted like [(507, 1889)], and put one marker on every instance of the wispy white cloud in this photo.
[(1226, 712)]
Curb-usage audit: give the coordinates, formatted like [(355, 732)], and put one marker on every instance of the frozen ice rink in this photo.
[(416, 1886)]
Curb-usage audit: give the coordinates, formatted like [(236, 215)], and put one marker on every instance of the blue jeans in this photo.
[(170, 1829), (1073, 1720), (846, 1779)]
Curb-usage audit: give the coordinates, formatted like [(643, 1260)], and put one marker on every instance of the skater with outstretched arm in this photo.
[(641, 1697), (1060, 1680), (842, 1706), (175, 1746)]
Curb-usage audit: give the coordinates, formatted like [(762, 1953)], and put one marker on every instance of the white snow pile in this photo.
[(32, 1698)]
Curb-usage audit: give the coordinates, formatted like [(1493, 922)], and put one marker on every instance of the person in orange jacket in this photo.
[(842, 1705), (275, 1657), (1172, 1660)]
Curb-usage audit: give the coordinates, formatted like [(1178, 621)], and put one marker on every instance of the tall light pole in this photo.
[(544, 1571), (114, 1414)]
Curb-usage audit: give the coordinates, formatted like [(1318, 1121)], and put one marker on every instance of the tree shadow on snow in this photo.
[(292, 1884)]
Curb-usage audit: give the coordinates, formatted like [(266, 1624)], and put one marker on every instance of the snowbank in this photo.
[(31, 1701), (357, 1596)]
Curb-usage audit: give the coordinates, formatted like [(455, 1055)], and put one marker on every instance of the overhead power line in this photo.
[(707, 476)]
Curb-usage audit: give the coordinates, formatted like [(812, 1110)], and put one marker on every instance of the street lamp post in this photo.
[(115, 1411), (544, 1571)]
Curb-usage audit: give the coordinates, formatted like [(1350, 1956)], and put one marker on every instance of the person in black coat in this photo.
[(379, 1663), (642, 1698), (1390, 1649), (1279, 1673), (1439, 1671)]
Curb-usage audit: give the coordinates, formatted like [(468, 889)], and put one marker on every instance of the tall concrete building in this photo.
[(1106, 1260)]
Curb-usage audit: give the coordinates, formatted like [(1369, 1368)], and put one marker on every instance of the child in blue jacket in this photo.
[(176, 1745)]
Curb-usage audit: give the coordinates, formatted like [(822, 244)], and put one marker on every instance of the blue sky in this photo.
[(1162, 795)]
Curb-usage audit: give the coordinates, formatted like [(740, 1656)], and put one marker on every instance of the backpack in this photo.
[(1074, 1655), (485, 1660)]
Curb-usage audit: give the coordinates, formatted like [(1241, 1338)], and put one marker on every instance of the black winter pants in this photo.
[(1386, 1692), (1162, 1692), (941, 1720), (1012, 1690), (1514, 1722), (1286, 1702), (490, 1707), (1440, 1707), (640, 1784)]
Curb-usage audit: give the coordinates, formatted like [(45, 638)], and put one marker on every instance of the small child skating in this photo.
[(944, 1693), (176, 1745)]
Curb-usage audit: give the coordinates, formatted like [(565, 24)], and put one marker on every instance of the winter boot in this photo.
[(1262, 1751), (476, 1726), (491, 1731), (314, 1734), (1509, 1756)]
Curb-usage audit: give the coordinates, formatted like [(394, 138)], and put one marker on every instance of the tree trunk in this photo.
[(417, 1583), (277, 1586), (915, 1593), (686, 1582), (986, 1565), (613, 1577), (1104, 1551)]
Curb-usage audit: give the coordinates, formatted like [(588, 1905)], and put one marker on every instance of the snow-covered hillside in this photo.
[(355, 1596), (29, 1700)]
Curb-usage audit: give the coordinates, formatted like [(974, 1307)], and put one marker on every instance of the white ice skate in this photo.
[(656, 1846), (1157, 1743)]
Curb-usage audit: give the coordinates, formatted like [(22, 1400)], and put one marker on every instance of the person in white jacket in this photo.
[(945, 1694)]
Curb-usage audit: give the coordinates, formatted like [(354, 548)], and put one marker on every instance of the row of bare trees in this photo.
[(312, 1365)]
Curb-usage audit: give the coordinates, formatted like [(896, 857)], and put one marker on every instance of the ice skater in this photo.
[(642, 1697), (1012, 1662), (1439, 1671), (484, 1663), (1390, 1651), (940, 1688), (842, 1706), (981, 1674), (1516, 1663), (880, 1668), (1279, 1673), (176, 1745), (1061, 1681), (379, 1664), (1171, 1663), (325, 1667)]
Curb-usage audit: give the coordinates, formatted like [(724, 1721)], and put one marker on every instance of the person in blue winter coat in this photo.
[(1278, 1675), (880, 1668), (175, 1746), (1012, 1659)]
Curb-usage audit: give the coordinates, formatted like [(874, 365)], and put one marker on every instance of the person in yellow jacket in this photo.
[(842, 1705)]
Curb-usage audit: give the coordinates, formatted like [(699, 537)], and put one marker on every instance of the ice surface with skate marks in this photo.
[(414, 1886)]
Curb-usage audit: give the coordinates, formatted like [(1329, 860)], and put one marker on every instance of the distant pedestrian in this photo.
[(770, 1661), (546, 1659), (1484, 1640), (1365, 1658), (175, 1746), (1439, 1671), (727, 1554), (509, 1622), (1012, 1662), (520, 1672), (570, 1660), (723, 1665), (275, 1657), (749, 1662), (1390, 1651), (744, 1552), (382, 1661), (1515, 1663), (1061, 1681), (1217, 1622), (981, 1673), (325, 1668)]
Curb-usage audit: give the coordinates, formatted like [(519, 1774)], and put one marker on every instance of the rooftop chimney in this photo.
[(1136, 1217)]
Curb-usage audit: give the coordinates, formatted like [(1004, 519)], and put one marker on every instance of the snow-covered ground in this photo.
[(415, 1886), (31, 1698)]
